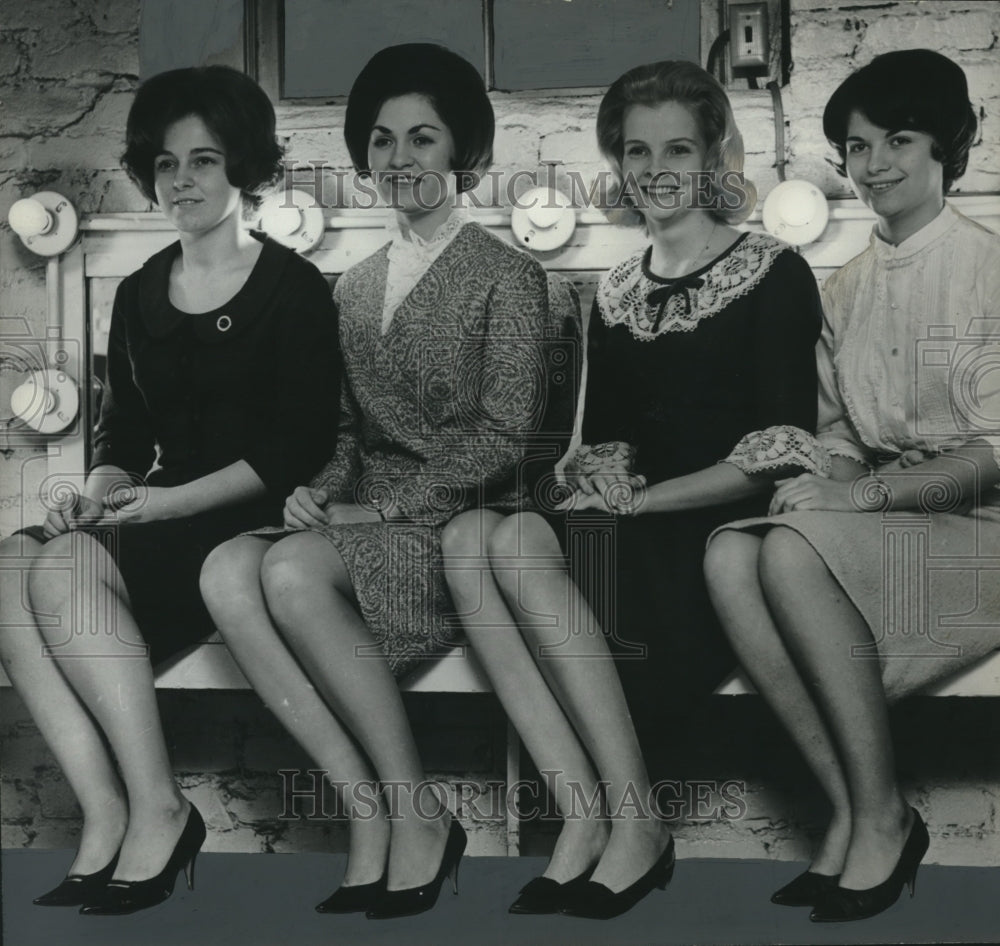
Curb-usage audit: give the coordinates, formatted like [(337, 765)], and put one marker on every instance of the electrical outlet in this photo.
[(749, 42)]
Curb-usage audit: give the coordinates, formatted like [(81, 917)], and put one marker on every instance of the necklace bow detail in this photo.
[(660, 297)]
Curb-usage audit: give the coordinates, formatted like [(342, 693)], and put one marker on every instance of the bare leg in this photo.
[(310, 597), (65, 725), (820, 626), (525, 696), (230, 583), (76, 582), (731, 569), (530, 572)]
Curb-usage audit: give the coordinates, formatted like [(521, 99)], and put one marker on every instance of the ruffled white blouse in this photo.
[(410, 256), (909, 356)]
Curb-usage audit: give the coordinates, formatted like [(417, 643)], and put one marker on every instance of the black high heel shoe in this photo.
[(805, 890), (77, 889), (412, 900), (128, 896), (544, 895), (597, 902), (841, 904), (357, 899)]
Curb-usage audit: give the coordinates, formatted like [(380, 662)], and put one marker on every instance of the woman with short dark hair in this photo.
[(868, 584), (445, 332), (221, 396)]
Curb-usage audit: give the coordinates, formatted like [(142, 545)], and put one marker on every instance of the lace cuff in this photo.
[(780, 451), (616, 456)]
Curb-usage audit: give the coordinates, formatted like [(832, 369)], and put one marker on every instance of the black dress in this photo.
[(256, 379), (679, 371)]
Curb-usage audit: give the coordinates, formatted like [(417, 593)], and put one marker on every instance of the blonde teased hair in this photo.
[(699, 92)]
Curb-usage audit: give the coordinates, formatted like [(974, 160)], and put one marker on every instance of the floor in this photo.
[(267, 900)]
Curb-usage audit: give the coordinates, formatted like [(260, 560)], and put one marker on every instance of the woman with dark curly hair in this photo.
[(445, 331), (867, 584), (215, 346)]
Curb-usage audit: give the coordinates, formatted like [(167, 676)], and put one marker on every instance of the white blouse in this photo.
[(909, 356), (410, 256)]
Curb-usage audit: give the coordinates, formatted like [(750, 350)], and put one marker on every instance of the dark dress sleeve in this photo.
[(789, 319), (125, 433), (608, 430), (299, 431)]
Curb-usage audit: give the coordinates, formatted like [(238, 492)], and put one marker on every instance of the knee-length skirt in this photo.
[(396, 572), (927, 585), (644, 580), (160, 563)]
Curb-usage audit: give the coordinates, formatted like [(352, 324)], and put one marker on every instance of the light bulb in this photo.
[(797, 207), (29, 218), (278, 221)]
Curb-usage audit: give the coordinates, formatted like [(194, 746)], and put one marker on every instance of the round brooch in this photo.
[(223, 323)]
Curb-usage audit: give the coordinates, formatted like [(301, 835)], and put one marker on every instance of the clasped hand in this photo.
[(132, 503), (618, 494), (809, 491), (307, 508)]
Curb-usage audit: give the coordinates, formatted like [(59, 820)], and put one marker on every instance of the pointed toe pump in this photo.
[(597, 902), (841, 904), (412, 900), (544, 895), (805, 890), (119, 897), (77, 889), (357, 899)]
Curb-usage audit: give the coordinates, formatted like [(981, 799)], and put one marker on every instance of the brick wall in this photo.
[(67, 72)]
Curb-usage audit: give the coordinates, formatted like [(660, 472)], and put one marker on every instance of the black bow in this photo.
[(660, 297)]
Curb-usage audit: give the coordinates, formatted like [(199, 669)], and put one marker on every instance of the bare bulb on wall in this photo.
[(46, 222), (29, 218)]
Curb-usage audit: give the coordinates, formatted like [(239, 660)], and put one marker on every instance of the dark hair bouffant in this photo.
[(913, 89), (233, 107), (452, 86)]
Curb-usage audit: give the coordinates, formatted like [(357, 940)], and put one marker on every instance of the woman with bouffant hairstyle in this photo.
[(867, 584), (221, 396), (700, 347), (444, 331), (729, 196), (244, 125)]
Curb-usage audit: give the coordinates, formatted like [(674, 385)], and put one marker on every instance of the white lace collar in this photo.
[(406, 241), (678, 305)]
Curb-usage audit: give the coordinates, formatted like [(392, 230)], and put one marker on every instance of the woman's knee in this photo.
[(465, 535), (295, 568), (524, 533), (731, 561), (53, 572), (786, 559), (229, 571)]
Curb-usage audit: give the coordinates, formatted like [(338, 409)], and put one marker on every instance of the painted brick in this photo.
[(330, 837), (830, 36), (32, 108), (56, 799), (10, 54), (970, 809), (122, 16), (570, 145), (80, 58), (946, 31), (209, 800)]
